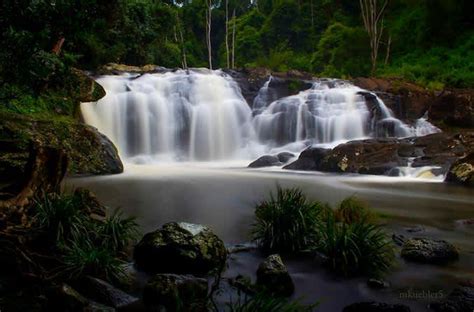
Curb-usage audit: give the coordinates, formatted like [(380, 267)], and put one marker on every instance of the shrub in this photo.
[(355, 248), (352, 210), (287, 222), (118, 231), (262, 302)]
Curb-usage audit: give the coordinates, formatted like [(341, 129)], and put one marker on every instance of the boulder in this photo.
[(105, 293), (377, 283), (309, 159), (462, 171), (425, 250), (376, 307), (87, 150), (181, 248), (176, 293), (284, 157), (265, 161), (273, 276), (461, 299), (243, 283)]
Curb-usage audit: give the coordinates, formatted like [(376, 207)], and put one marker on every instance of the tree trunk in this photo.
[(233, 39), (208, 31), (227, 33)]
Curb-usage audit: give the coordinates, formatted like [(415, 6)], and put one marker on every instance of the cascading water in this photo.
[(201, 115)]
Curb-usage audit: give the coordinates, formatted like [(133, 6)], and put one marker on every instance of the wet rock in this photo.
[(180, 247), (377, 283), (117, 69), (376, 307), (462, 171), (243, 283), (105, 293), (266, 161), (415, 229), (460, 299), (284, 157), (241, 248), (273, 276), (68, 299), (309, 159), (398, 239), (176, 293), (425, 250)]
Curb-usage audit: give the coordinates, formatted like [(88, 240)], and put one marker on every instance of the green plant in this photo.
[(355, 248), (263, 302), (352, 210), (287, 222), (117, 231)]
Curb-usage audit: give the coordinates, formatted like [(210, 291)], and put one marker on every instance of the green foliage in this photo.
[(359, 247), (353, 210), (117, 231), (263, 302), (286, 223)]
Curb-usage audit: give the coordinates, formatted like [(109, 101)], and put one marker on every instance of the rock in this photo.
[(92, 205), (309, 159), (87, 150), (377, 283), (117, 69), (176, 293), (284, 157), (425, 250), (68, 299), (180, 248), (243, 283), (266, 161), (461, 299), (376, 307), (88, 89), (462, 171), (415, 229), (105, 293), (398, 239), (241, 248), (273, 276)]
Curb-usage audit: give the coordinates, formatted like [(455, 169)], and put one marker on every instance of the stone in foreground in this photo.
[(173, 292), (376, 307), (460, 299), (425, 250), (181, 248), (273, 276), (105, 293)]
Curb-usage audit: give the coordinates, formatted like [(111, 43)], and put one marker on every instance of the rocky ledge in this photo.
[(384, 156)]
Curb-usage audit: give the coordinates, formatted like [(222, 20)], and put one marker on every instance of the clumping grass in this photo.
[(354, 210), (262, 302), (118, 231), (349, 237), (286, 223)]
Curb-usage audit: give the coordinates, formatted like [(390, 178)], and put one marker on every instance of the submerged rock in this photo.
[(461, 299), (273, 276), (176, 293), (377, 283), (105, 293), (67, 298), (462, 171), (265, 161), (425, 250), (376, 307), (180, 247)]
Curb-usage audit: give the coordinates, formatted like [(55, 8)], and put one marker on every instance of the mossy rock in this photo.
[(86, 89), (88, 151), (176, 293), (425, 250), (273, 276), (181, 248), (462, 171)]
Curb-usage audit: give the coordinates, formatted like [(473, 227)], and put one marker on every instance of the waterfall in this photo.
[(201, 115)]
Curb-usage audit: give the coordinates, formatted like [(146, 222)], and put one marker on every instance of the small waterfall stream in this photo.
[(201, 115)]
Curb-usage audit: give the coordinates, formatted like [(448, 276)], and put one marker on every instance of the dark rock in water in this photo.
[(309, 159), (461, 299), (243, 283), (384, 156), (376, 307), (68, 299), (377, 283), (273, 276), (398, 239), (462, 171), (266, 161), (176, 293), (284, 157), (241, 248), (415, 229), (180, 247), (105, 293), (425, 250)]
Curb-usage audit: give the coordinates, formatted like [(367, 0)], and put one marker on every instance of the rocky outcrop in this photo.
[(181, 248), (461, 299), (425, 250), (87, 90), (376, 307), (273, 276), (446, 108), (87, 150), (462, 171), (176, 293), (381, 156), (118, 69)]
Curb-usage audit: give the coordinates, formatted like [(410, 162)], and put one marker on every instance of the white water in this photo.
[(201, 115)]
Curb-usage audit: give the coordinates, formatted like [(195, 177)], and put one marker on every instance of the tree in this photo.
[(208, 31), (372, 15)]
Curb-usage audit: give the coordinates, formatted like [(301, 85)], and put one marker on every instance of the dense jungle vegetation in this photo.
[(430, 42)]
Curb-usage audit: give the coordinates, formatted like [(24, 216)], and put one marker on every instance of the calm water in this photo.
[(223, 197)]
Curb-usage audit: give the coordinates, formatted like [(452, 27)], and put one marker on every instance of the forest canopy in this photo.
[(430, 42)]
